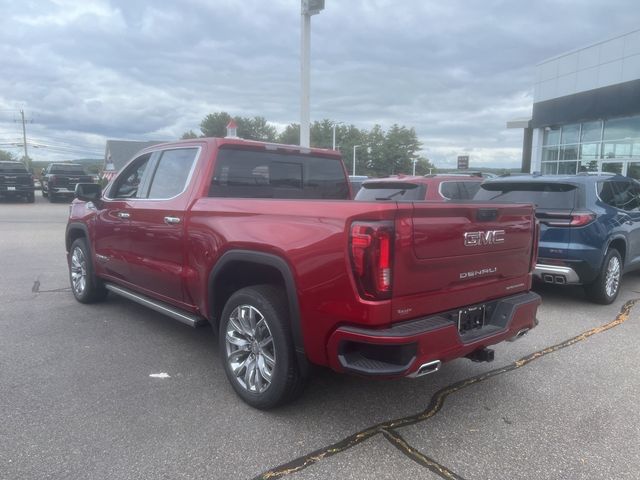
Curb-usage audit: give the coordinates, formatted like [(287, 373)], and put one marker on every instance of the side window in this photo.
[(626, 196), (449, 190), (128, 182), (172, 172), (469, 189)]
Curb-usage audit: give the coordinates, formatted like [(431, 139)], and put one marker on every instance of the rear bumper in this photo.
[(556, 274), (403, 348), (16, 189)]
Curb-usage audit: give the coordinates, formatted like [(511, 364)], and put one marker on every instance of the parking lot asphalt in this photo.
[(77, 399)]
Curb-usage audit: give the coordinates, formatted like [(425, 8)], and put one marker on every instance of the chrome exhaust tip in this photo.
[(427, 368), (520, 334)]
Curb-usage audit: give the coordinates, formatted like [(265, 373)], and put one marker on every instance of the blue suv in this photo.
[(589, 227)]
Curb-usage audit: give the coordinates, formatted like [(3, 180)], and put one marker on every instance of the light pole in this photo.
[(354, 159), (334, 133), (308, 8), (414, 167)]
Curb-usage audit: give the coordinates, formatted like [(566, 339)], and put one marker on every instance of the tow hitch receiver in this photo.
[(481, 355)]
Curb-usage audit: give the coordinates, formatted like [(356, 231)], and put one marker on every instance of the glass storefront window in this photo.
[(590, 150), (549, 153), (633, 170), (567, 168), (591, 132), (551, 136), (616, 150), (569, 152), (570, 134), (622, 128), (612, 167), (549, 168)]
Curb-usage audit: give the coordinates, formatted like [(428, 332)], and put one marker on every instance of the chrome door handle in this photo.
[(123, 215), (171, 220)]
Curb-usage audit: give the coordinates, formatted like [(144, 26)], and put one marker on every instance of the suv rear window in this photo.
[(67, 169), (12, 168), (453, 190), (396, 191), (264, 174), (541, 194)]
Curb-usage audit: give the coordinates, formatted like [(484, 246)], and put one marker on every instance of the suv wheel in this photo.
[(84, 284), (31, 197), (606, 286), (257, 349)]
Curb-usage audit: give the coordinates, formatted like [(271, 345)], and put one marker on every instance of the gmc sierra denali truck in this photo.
[(60, 179), (262, 242)]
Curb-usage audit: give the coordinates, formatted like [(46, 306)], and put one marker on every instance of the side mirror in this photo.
[(89, 192)]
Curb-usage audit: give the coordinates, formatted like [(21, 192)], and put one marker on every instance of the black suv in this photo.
[(16, 181), (589, 227)]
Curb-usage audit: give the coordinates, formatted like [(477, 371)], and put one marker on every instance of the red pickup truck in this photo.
[(262, 242)]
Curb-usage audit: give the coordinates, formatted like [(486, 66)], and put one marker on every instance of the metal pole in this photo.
[(414, 167), (305, 66), (24, 139), (334, 136), (354, 159)]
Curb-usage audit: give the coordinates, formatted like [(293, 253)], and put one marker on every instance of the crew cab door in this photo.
[(157, 226), (112, 225)]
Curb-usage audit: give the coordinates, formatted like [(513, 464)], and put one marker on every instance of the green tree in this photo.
[(255, 128), (290, 135), (188, 135), (215, 124), (6, 156), (377, 166), (401, 149)]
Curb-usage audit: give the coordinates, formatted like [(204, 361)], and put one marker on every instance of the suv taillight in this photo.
[(567, 219), (371, 248)]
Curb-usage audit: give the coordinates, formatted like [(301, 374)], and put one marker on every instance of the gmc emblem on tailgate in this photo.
[(488, 237)]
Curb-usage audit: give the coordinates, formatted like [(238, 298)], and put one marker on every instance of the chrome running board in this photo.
[(160, 307)]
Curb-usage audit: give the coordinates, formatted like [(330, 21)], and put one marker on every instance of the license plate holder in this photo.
[(472, 318), (11, 189)]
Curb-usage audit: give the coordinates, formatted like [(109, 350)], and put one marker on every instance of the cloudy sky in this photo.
[(87, 70)]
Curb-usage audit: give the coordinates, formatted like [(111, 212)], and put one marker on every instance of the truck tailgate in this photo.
[(452, 255)]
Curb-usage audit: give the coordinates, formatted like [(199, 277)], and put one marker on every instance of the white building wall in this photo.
[(605, 63)]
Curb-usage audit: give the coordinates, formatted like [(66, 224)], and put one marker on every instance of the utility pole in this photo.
[(309, 8), (24, 141)]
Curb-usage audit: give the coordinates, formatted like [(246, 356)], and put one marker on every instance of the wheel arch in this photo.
[(227, 277), (74, 231), (620, 244)]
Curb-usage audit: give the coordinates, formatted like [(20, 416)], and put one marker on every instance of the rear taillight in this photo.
[(371, 246), (567, 219)]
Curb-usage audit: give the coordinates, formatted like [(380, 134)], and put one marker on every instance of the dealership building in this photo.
[(586, 111)]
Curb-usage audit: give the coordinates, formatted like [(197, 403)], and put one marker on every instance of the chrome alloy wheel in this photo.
[(78, 271), (612, 278), (250, 350)]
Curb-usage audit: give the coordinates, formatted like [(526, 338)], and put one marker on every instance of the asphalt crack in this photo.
[(388, 428)]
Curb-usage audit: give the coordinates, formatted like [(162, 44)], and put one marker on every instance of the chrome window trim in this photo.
[(161, 151)]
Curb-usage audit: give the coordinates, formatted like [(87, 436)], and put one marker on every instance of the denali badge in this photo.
[(478, 273), (489, 237)]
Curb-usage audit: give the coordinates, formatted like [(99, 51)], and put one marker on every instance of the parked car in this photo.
[(356, 182), (263, 242), (60, 180), (589, 227), (438, 187), (16, 181)]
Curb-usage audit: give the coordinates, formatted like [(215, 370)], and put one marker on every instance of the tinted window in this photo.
[(67, 169), (543, 195), (265, 174), (127, 185), (620, 194), (12, 168), (397, 191), (172, 172)]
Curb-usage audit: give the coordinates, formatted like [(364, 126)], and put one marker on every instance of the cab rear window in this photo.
[(543, 195), (12, 168), (396, 191)]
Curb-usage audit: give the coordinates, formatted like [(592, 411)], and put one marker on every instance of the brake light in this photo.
[(582, 218), (371, 246), (568, 219)]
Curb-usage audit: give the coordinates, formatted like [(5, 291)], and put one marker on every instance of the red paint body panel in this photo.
[(173, 263)]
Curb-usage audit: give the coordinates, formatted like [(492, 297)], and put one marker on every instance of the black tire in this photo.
[(285, 381), (605, 288), (85, 286), (52, 197), (45, 194), (31, 198)]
